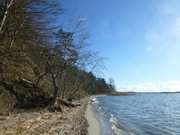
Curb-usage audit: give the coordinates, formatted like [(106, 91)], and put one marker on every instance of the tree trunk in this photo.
[(52, 107)]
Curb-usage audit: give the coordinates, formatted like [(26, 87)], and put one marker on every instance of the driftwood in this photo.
[(68, 103), (60, 102)]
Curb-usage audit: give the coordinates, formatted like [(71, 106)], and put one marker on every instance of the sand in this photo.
[(94, 126), (41, 122), (73, 121)]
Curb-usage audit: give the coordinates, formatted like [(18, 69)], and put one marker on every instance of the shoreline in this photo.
[(94, 125)]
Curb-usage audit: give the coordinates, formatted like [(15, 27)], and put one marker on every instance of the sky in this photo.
[(139, 39)]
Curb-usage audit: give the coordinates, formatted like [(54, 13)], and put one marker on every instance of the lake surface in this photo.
[(139, 114)]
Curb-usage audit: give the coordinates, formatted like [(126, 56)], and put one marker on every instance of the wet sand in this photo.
[(94, 126)]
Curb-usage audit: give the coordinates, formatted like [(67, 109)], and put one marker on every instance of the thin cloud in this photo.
[(163, 35)]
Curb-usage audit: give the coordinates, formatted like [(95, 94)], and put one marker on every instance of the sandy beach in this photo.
[(41, 122), (79, 120), (94, 126)]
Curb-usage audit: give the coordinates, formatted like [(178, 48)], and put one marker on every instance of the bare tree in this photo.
[(22, 25)]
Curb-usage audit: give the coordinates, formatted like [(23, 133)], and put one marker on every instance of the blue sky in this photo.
[(139, 38)]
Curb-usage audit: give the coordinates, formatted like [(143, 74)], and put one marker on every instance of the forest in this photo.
[(40, 60)]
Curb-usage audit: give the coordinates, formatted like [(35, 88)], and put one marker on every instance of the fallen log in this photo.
[(68, 103), (26, 94)]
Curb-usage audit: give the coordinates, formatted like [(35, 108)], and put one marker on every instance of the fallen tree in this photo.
[(30, 96), (68, 103), (33, 96)]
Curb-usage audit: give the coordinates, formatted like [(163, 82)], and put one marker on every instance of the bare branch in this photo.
[(5, 15)]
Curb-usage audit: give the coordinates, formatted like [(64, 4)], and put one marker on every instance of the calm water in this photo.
[(140, 114)]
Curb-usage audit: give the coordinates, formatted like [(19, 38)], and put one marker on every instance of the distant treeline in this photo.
[(41, 61)]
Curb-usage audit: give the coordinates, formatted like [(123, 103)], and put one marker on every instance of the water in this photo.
[(139, 114)]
